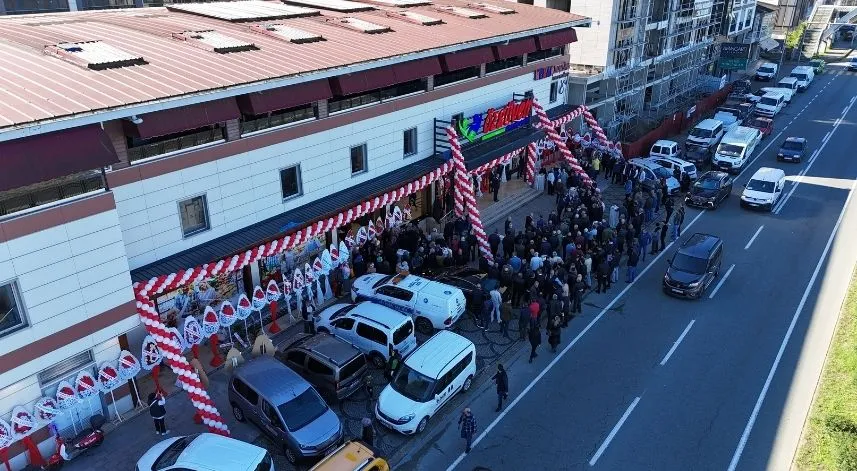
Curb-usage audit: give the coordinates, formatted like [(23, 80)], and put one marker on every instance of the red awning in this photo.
[(469, 58), (161, 123), (556, 39), (57, 154), (417, 69), (363, 81), (284, 97), (514, 48)]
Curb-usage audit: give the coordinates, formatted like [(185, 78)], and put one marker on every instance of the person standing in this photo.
[(523, 321), (495, 184), (367, 434), (535, 339), (579, 290), (158, 412), (309, 327), (505, 318), (496, 302), (664, 229), (645, 240), (487, 307), (633, 258), (554, 332), (501, 379), (467, 425)]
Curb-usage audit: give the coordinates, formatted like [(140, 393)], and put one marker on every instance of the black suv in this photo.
[(694, 266), (709, 190), (334, 366), (792, 150)]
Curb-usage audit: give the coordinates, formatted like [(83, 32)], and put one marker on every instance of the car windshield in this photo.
[(688, 264), (345, 310), (402, 333), (412, 384), (768, 101), (662, 172), (760, 93), (303, 409), (766, 69), (707, 184), (382, 281), (169, 457), (800, 77), (698, 132), (759, 185), (792, 145), (730, 149)]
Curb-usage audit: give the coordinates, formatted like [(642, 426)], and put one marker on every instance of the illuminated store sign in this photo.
[(493, 122)]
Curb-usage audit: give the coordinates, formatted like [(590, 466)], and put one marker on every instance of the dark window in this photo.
[(169, 457), (352, 367), (410, 138), (456, 76), (265, 464), (24, 198), (554, 91), (277, 118), (65, 368), (105, 4), (396, 292), (11, 311), (318, 367), (504, 64), (375, 96), (20, 7), (371, 333), (290, 181), (144, 148), (402, 333), (271, 414), (346, 323), (297, 357), (358, 159), (544, 54), (245, 391), (194, 215)]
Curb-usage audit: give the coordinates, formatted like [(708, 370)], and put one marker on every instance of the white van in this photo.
[(206, 452), (432, 305), (664, 148), (771, 104), (788, 93), (764, 189), (706, 133), (729, 120), (672, 163), (735, 149), (804, 75), (789, 83), (373, 329), (767, 71), (429, 378)]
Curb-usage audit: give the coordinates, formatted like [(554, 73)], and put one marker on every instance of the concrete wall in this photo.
[(593, 43)]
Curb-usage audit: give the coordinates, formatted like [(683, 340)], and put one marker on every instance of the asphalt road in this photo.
[(644, 381)]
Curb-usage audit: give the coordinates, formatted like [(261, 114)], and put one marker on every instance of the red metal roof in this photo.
[(37, 87)]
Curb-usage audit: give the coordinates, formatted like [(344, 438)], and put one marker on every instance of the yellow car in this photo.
[(352, 456)]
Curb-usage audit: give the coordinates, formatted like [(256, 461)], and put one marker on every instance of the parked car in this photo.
[(698, 155), (665, 148), (788, 92), (771, 104), (694, 266), (736, 148), (205, 452), (468, 280), (767, 71), (673, 163), (852, 64), (352, 456), (334, 367), (755, 96), (707, 133), (793, 149), (372, 328), (709, 190), (804, 75), (740, 88), (729, 120), (764, 189), (817, 66), (432, 305), (764, 125), (653, 172)]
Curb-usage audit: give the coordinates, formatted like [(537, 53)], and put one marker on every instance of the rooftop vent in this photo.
[(244, 10), (356, 24), (399, 3), (344, 6), (287, 33), (491, 8), (414, 17), (215, 42), (94, 55), (461, 12)]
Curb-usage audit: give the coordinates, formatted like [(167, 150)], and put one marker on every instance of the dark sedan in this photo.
[(467, 280), (709, 190), (698, 155), (792, 150)]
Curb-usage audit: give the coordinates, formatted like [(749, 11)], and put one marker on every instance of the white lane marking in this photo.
[(853, 99), (722, 280), (565, 350), (754, 237), (613, 432), (752, 421), (845, 110), (779, 207), (826, 137), (675, 345)]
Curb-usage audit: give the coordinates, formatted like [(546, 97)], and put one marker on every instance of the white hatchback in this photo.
[(205, 452)]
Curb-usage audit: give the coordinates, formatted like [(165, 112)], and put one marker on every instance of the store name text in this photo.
[(550, 71), (494, 122)]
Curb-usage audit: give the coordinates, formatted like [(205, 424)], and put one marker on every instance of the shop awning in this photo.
[(484, 152), (296, 219), (284, 97), (515, 48), (417, 69), (769, 44), (468, 58), (47, 156), (556, 39), (359, 82), (162, 123)]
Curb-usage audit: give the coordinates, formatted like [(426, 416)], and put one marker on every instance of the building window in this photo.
[(504, 64), (33, 196), (290, 181), (410, 137), (139, 149), (376, 96), (20, 7), (456, 76), (358, 159), (544, 54), (194, 215), (554, 92), (105, 4), (277, 118), (12, 316)]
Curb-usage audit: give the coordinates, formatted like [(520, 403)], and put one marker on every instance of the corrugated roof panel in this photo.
[(94, 55), (243, 10), (215, 42), (414, 17), (287, 33), (344, 6), (491, 8)]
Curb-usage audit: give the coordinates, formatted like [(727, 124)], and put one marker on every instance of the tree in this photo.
[(793, 37)]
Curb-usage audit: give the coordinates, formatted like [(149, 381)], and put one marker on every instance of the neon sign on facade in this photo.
[(493, 122)]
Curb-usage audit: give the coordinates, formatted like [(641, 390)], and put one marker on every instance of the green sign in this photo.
[(733, 63)]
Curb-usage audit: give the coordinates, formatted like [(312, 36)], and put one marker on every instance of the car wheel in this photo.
[(290, 455), (238, 413), (467, 384), (378, 360), (322, 330), (425, 326), (422, 425)]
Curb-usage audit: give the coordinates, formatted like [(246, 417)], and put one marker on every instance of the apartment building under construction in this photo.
[(641, 59)]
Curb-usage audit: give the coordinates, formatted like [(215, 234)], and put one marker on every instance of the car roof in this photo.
[(700, 245), (378, 315), (741, 132), (708, 123), (800, 140), (336, 350), (665, 142), (216, 452), (767, 174), (646, 163), (272, 379), (773, 94), (788, 79), (431, 357), (713, 174)]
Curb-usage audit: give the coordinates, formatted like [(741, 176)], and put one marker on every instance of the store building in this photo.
[(152, 140)]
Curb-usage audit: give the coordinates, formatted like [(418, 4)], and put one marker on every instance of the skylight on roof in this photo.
[(462, 12), (243, 10), (399, 3), (287, 33), (414, 17), (491, 8), (344, 6), (356, 24), (215, 42), (94, 55)]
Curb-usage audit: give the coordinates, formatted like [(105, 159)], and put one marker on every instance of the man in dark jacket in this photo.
[(523, 321), (535, 337), (478, 301), (579, 290), (501, 379), (633, 258), (603, 276)]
